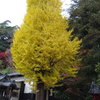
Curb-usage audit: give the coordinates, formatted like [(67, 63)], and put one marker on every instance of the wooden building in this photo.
[(24, 92), (6, 87), (95, 91), (14, 87)]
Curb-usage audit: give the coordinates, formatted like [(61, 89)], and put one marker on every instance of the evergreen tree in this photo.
[(84, 17), (42, 49), (6, 33)]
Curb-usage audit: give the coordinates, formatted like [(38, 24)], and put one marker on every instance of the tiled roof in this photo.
[(5, 81), (95, 89)]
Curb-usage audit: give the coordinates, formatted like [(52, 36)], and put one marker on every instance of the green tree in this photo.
[(42, 49), (84, 18), (6, 33)]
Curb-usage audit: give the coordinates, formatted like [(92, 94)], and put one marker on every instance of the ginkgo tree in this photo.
[(42, 49)]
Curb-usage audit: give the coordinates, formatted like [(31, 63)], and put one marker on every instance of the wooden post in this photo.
[(21, 91), (40, 95)]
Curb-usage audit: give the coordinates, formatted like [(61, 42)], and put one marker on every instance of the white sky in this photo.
[(14, 10)]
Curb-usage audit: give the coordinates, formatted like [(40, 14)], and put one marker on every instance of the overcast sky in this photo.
[(14, 10)]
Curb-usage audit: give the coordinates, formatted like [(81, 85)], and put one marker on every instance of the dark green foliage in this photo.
[(4, 45), (85, 18), (98, 71), (6, 34), (6, 71), (89, 61), (72, 89), (61, 95)]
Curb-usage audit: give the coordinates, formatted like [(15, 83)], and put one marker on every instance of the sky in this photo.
[(14, 10)]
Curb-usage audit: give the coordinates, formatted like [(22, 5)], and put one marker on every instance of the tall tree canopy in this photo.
[(42, 49), (6, 34), (85, 19)]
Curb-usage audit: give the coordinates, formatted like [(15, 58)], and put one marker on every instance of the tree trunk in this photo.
[(40, 95)]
